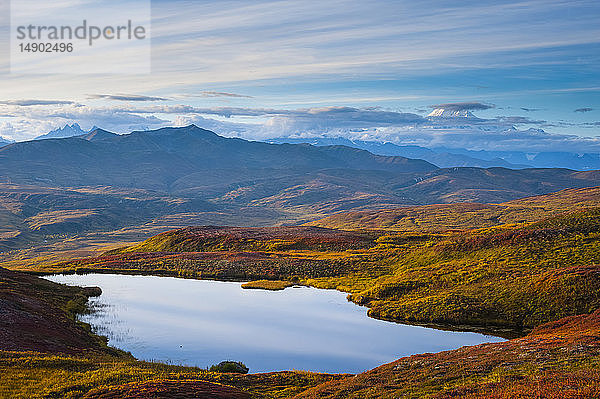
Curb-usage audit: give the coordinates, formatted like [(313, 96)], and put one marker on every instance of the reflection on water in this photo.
[(200, 322)]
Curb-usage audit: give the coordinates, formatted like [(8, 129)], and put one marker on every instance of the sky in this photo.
[(372, 70)]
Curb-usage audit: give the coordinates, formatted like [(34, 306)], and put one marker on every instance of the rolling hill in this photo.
[(462, 216)]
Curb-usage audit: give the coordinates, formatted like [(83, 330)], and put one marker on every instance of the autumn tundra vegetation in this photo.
[(527, 270)]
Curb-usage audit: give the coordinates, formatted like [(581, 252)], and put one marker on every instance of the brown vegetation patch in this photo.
[(225, 265), (218, 238)]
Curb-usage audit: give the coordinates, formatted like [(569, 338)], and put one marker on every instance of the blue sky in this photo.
[(538, 60)]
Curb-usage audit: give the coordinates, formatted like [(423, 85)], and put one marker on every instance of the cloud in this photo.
[(289, 121), (369, 123), (464, 106), (583, 110), (336, 120), (372, 115), (222, 94), (308, 53), (482, 138), (389, 126), (34, 121), (126, 97), (29, 103), (302, 119), (396, 127), (531, 109), (223, 128), (298, 42), (520, 120), (7, 130), (220, 111)]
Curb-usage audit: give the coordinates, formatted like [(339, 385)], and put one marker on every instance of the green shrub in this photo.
[(229, 367)]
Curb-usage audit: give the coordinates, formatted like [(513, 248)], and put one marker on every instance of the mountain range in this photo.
[(440, 155), (445, 157), (182, 176), (170, 159)]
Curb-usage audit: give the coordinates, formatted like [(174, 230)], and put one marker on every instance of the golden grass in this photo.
[(271, 285)]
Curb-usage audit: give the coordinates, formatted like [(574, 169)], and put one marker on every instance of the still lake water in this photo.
[(202, 322)]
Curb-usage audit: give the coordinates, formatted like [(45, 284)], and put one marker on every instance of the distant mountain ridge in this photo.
[(446, 157), (450, 113), (74, 130), (441, 158), (160, 158), (173, 177), (98, 134), (549, 159)]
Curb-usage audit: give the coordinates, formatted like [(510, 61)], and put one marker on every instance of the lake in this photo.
[(202, 322)]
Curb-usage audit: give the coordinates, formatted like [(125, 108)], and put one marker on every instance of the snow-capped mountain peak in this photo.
[(451, 113), (67, 131)]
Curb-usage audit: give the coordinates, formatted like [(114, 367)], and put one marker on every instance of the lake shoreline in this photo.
[(324, 307), (505, 332)]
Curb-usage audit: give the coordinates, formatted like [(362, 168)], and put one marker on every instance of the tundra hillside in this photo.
[(527, 270)]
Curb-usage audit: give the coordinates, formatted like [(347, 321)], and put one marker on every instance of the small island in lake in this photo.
[(271, 285)]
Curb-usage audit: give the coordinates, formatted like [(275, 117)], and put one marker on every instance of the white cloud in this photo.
[(261, 123), (32, 121), (126, 97)]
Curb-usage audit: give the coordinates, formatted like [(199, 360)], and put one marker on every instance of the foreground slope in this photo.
[(557, 360), (38, 315)]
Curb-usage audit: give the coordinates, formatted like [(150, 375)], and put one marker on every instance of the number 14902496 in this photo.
[(46, 47)]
